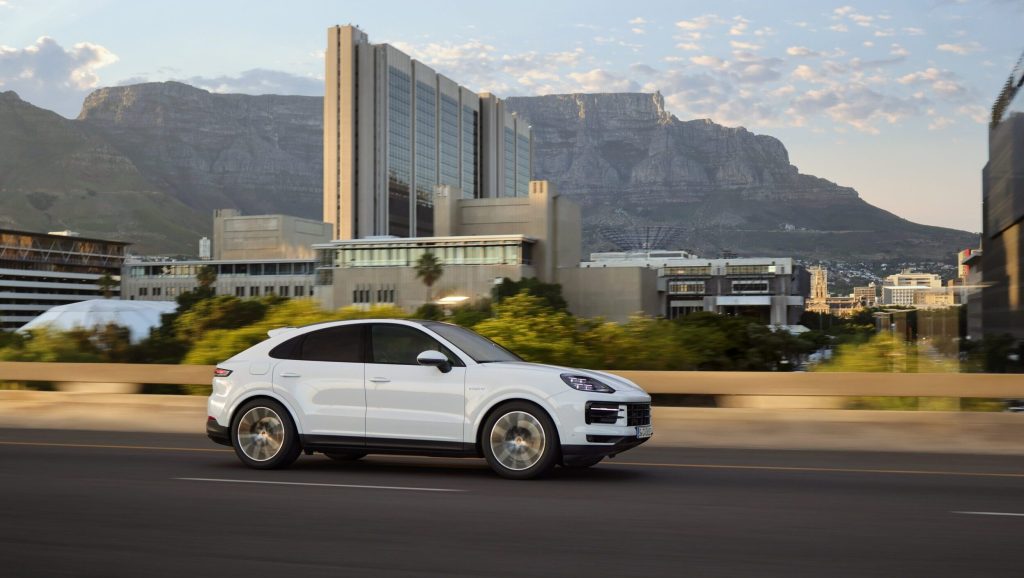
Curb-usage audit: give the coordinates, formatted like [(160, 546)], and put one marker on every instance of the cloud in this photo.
[(743, 45), (838, 28), (800, 51), (943, 83), (961, 49), (688, 46), (975, 112), (914, 31), (709, 61), (598, 80), (638, 31), (739, 27), (855, 105), (698, 23), (638, 21), (261, 81), (51, 76)]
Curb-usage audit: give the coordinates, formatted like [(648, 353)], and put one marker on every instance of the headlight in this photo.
[(584, 383)]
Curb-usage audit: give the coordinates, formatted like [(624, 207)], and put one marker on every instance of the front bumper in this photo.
[(217, 432), (617, 446)]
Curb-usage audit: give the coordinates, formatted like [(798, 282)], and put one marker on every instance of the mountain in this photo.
[(632, 165), (57, 174), (260, 154), (147, 163)]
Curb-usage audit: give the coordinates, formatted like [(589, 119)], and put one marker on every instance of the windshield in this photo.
[(478, 347)]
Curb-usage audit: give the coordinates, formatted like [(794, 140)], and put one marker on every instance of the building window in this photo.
[(300, 291), (143, 291), (156, 291), (268, 290), (749, 269), (747, 287), (254, 291), (283, 291), (239, 291), (686, 287)]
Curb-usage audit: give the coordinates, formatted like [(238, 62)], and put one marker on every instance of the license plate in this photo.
[(644, 431)]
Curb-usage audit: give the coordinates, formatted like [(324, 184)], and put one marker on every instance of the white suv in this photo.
[(352, 388)]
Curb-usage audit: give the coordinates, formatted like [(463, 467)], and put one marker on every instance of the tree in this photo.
[(106, 284), (551, 293), (206, 276), (531, 328), (429, 270)]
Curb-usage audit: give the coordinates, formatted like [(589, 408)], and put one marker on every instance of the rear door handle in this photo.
[(379, 379), (290, 374)]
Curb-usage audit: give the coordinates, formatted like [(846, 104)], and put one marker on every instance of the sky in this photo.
[(891, 98)]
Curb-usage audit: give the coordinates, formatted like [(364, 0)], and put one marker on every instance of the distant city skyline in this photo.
[(892, 100)]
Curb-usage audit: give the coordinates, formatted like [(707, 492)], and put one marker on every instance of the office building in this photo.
[(165, 280), (239, 237), (39, 271), (772, 290), (908, 289), (478, 241), (1002, 240), (395, 130)]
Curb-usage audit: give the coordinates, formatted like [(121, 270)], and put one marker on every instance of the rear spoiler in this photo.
[(280, 331)]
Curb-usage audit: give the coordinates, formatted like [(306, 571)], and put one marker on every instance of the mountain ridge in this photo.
[(627, 160)]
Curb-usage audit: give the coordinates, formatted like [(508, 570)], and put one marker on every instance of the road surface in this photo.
[(130, 504)]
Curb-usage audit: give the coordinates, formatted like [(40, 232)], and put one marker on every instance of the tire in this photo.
[(519, 441), (581, 463), (264, 435), (345, 456)]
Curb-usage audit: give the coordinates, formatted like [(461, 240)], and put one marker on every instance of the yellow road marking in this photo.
[(613, 463), (813, 469), (111, 447)]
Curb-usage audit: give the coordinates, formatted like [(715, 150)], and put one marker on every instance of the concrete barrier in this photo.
[(981, 433)]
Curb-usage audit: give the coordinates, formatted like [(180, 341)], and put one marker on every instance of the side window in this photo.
[(401, 344), (340, 344)]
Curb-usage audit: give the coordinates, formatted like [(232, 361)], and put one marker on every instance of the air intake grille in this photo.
[(638, 414)]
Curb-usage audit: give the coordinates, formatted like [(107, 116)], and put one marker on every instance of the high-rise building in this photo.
[(395, 130), (1002, 239)]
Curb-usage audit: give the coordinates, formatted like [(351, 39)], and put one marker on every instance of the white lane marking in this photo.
[(990, 513), (355, 486)]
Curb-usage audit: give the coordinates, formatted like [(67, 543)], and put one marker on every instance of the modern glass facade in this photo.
[(399, 150), (470, 159), (426, 156), (449, 250), (395, 130)]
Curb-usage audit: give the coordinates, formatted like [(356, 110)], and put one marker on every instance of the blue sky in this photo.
[(889, 98)]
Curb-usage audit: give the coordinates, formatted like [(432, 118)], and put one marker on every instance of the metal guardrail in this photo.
[(657, 382)]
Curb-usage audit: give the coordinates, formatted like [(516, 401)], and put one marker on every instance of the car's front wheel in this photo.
[(264, 435), (520, 441)]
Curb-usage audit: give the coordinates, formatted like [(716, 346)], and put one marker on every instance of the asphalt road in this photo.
[(132, 504)]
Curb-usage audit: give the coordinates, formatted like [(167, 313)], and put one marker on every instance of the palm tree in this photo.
[(106, 284), (206, 276), (429, 270)]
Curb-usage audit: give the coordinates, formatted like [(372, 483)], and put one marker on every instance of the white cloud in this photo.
[(804, 72), (744, 45), (940, 122), (943, 83), (961, 49), (885, 33), (914, 31), (698, 23), (688, 46), (739, 27), (638, 31), (843, 11), (898, 50), (975, 112), (709, 61), (638, 21), (800, 51), (868, 43), (838, 28), (49, 75), (598, 80)]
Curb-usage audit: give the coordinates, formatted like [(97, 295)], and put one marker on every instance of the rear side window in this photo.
[(339, 344)]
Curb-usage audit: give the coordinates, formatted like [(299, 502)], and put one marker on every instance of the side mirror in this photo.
[(435, 358)]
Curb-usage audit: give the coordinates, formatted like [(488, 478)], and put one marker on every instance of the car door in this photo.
[(322, 374), (409, 405)]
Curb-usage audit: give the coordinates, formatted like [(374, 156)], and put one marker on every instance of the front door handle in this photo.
[(379, 379), (290, 374)]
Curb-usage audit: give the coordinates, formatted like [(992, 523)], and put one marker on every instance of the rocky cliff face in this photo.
[(632, 164), (148, 163), (261, 154)]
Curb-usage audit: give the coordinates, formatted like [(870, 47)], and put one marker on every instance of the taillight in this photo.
[(221, 372)]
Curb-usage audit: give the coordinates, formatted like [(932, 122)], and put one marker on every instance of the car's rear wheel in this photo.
[(520, 441), (264, 435), (345, 456)]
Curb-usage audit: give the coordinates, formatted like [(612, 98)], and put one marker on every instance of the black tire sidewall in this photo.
[(552, 445), (291, 448)]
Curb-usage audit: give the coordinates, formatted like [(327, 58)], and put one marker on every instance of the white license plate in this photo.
[(644, 431)]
